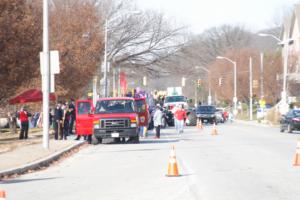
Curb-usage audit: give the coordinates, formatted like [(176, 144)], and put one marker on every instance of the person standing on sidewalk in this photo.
[(180, 116), (66, 122), (157, 119), (72, 116), (58, 117), (23, 115)]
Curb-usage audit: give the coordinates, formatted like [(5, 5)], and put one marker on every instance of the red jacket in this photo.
[(180, 114), (23, 115)]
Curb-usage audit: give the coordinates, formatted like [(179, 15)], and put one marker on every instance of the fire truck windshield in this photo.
[(114, 106)]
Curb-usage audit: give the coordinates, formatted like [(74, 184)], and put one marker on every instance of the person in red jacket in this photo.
[(180, 116), (23, 115)]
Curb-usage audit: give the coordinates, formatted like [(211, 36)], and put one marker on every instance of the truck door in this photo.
[(142, 111), (84, 118)]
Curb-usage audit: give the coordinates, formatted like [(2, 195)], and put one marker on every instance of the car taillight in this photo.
[(296, 119)]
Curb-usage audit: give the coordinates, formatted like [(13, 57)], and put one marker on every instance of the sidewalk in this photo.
[(19, 156)]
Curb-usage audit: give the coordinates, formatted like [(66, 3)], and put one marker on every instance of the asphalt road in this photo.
[(242, 162)]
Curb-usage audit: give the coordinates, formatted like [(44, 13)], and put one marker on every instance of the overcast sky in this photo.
[(203, 14)]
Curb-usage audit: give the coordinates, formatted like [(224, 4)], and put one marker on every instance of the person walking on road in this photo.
[(174, 110), (58, 118), (180, 116), (23, 115), (157, 119)]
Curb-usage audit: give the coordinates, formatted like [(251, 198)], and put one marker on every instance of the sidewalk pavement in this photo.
[(29, 154)]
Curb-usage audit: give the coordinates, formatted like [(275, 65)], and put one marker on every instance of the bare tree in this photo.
[(143, 40)]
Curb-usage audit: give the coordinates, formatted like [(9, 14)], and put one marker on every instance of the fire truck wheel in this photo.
[(135, 139)]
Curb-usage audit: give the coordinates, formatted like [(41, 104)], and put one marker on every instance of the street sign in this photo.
[(144, 81), (54, 62), (183, 82), (220, 81), (54, 67)]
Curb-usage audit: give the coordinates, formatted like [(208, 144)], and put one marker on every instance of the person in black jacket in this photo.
[(58, 118), (72, 116), (66, 122)]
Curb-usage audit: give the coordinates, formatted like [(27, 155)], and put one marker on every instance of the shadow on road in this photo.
[(158, 141), (14, 181)]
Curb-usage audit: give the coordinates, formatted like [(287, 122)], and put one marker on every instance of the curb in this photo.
[(44, 162), (254, 123)]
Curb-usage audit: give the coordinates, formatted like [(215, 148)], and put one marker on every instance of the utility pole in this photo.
[(261, 75), (114, 81), (119, 81), (46, 74), (94, 90), (250, 90)]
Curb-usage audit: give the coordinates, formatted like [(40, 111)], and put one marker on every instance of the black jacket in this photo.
[(58, 114)]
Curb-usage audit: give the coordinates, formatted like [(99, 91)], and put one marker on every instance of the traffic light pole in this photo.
[(235, 97), (250, 90)]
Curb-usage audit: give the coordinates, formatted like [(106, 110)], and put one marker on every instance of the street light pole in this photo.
[(262, 75), (234, 82), (46, 74), (105, 58)]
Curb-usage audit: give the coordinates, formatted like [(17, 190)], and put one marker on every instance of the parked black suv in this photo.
[(290, 121), (206, 114)]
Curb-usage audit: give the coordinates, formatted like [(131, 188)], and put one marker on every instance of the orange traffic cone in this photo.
[(199, 124), (172, 167), (214, 130), (297, 156), (2, 195)]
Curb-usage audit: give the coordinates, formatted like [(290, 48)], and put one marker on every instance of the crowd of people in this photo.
[(62, 119), (179, 119)]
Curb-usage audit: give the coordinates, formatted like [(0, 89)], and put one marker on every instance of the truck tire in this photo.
[(163, 123), (135, 139), (281, 128), (117, 140), (96, 140), (289, 128), (192, 117)]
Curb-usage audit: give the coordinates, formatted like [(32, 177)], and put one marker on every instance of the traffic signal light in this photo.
[(199, 82), (220, 81)]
